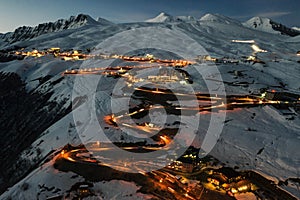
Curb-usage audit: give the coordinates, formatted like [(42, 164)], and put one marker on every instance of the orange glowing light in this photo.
[(113, 118)]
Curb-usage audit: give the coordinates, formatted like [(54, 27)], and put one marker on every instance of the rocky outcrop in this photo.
[(26, 32)]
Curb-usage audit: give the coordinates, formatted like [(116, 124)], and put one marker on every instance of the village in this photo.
[(188, 177)]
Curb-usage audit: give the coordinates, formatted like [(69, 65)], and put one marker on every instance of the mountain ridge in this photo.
[(268, 25), (219, 19), (256, 23), (165, 18), (27, 32)]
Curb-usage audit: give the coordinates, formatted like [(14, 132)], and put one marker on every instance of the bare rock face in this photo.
[(26, 32)]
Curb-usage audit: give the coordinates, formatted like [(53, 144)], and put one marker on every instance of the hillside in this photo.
[(45, 106), (268, 25)]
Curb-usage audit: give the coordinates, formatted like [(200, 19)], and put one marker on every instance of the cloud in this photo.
[(273, 14)]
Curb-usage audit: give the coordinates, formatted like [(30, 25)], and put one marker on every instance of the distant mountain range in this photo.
[(258, 23), (26, 32)]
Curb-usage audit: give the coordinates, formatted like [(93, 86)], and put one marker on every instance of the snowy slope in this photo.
[(219, 19), (269, 26), (162, 17), (261, 24), (47, 182), (277, 137), (296, 28)]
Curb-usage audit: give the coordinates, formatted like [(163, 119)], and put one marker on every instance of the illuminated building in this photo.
[(206, 58), (241, 186), (257, 49), (276, 95), (54, 50)]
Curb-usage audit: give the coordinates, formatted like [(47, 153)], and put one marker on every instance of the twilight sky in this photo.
[(15, 13)]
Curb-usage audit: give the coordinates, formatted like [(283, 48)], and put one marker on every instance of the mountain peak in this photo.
[(162, 17), (218, 19), (296, 28), (77, 21), (261, 24), (268, 25), (164, 14)]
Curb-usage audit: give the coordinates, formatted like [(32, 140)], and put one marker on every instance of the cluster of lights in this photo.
[(190, 156), (34, 53), (75, 55), (55, 51)]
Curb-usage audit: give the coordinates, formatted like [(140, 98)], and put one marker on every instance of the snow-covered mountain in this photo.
[(268, 25), (219, 19), (164, 17), (38, 83), (27, 32), (296, 28)]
